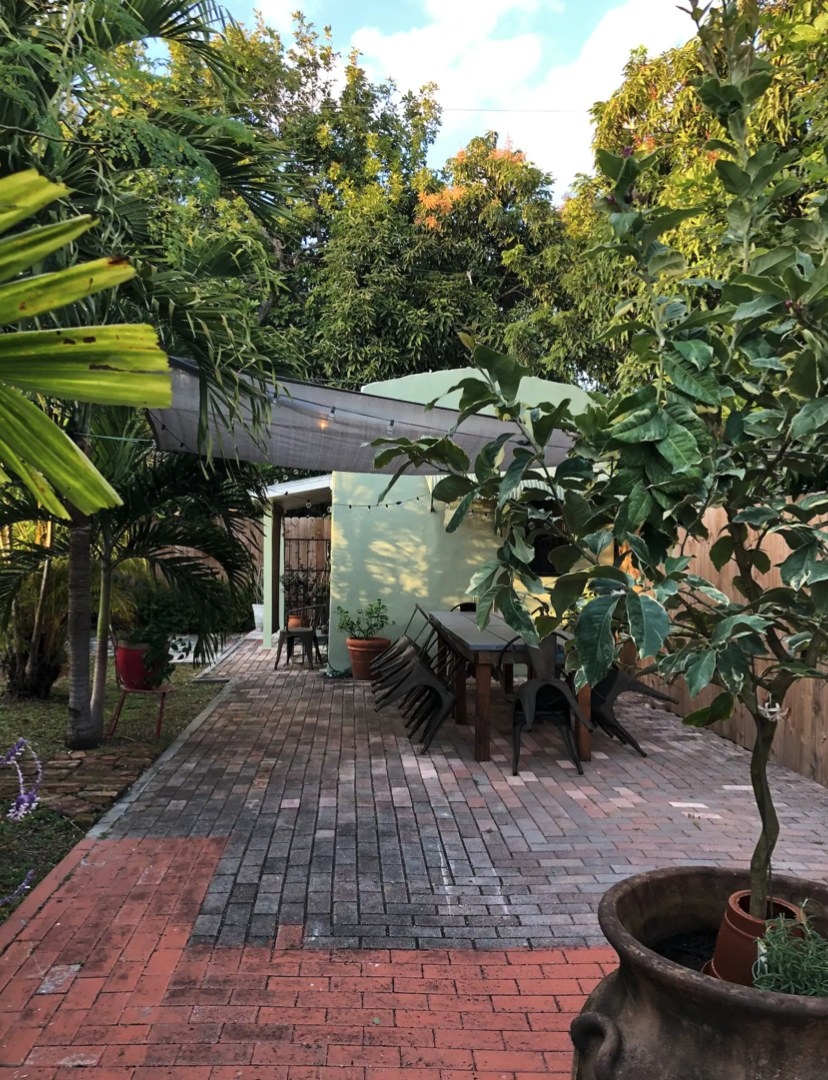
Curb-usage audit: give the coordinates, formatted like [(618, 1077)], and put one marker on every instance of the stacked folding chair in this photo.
[(409, 674)]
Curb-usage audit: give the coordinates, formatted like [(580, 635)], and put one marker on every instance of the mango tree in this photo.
[(733, 415)]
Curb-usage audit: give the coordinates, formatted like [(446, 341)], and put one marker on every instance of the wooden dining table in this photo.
[(485, 649), (496, 647)]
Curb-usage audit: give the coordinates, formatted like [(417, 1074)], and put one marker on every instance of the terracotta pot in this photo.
[(130, 663), (362, 651), (735, 952), (655, 1018), (296, 622)]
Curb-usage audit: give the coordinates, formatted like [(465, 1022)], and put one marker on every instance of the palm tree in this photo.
[(178, 520), (82, 104)]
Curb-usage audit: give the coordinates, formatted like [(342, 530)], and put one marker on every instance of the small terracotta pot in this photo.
[(738, 935), (362, 651), (296, 622)]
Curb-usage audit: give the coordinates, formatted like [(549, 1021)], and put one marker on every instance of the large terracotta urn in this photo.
[(653, 1018)]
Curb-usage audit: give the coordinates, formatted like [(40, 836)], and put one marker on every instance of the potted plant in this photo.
[(729, 416), (146, 642), (362, 641), (300, 595), (258, 601)]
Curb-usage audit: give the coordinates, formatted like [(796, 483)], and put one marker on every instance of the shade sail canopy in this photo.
[(322, 429)]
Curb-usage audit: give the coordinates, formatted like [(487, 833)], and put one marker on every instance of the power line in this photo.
[(495, 109)]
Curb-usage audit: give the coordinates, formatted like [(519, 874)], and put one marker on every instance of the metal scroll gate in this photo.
[(307, 561)]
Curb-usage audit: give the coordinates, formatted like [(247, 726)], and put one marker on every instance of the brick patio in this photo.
[(294, 891)]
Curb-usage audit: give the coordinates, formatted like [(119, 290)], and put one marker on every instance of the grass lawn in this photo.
[(42, 839)]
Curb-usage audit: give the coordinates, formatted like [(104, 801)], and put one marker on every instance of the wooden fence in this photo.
[(802, 739)]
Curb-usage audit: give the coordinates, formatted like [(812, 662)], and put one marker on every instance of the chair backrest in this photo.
[(465, 605), (547, 660)]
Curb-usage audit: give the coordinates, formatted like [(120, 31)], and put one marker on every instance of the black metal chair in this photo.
[(306, 636), (604, 696), (546, 698)]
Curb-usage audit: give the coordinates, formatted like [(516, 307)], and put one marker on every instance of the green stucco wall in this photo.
[(401, 553), (400, 550)]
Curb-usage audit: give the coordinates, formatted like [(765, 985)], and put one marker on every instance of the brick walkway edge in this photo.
[(97, 975)]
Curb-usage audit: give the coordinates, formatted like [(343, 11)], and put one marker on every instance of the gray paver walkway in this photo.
[(336, 822)]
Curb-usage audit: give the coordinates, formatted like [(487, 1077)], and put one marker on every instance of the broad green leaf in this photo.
[(460, 513), (514, 476), (678, 448), (649, 623), (32, 296), (111, 365), (638, 505), (733, 667), (662, 219), (37, 449), (516, 615), (24, 193), (486, 461), (796, 569), (810, 418), (643, 425), (700, 671), (566, 591), (453, 487), (721, 708), (735, 625), (577, 512), (24, 250), (756, 515), (503, 369), (697, 352), (761, 305), (734, 180), (594, 638), (700, 386)]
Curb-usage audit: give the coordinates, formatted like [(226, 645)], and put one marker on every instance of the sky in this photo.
[(528, 69)]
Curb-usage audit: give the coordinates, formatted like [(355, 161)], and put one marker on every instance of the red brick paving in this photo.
[(97, 975)]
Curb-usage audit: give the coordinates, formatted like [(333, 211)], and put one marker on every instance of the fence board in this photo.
[(802, 741)]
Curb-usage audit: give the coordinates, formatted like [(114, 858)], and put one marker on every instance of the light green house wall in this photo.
[(399, 550)]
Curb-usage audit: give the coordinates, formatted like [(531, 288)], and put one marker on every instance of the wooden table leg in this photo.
[(583, 736), (508, 678), (460, 709), (482, 739)]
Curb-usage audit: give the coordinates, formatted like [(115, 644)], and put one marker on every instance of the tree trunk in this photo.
[(760, 863), (37, 630), (81, 733), (102, 643)]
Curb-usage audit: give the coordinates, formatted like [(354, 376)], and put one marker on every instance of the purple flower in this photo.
[(25, 801), (22, 888), (27, 797)]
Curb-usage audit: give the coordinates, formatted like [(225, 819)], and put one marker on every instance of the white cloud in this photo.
[(456, 48)]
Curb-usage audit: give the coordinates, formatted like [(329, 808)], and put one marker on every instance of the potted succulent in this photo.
[(146, 642), (732, 418), (362, 641)]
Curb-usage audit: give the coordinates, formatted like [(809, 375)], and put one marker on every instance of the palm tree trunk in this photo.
[(81, 733), (102, 643), (37, 630)]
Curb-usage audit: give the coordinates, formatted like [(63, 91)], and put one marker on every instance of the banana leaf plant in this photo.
[(733, 415), (113, 365)]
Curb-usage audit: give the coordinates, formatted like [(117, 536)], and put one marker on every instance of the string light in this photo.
[(380, 506)]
